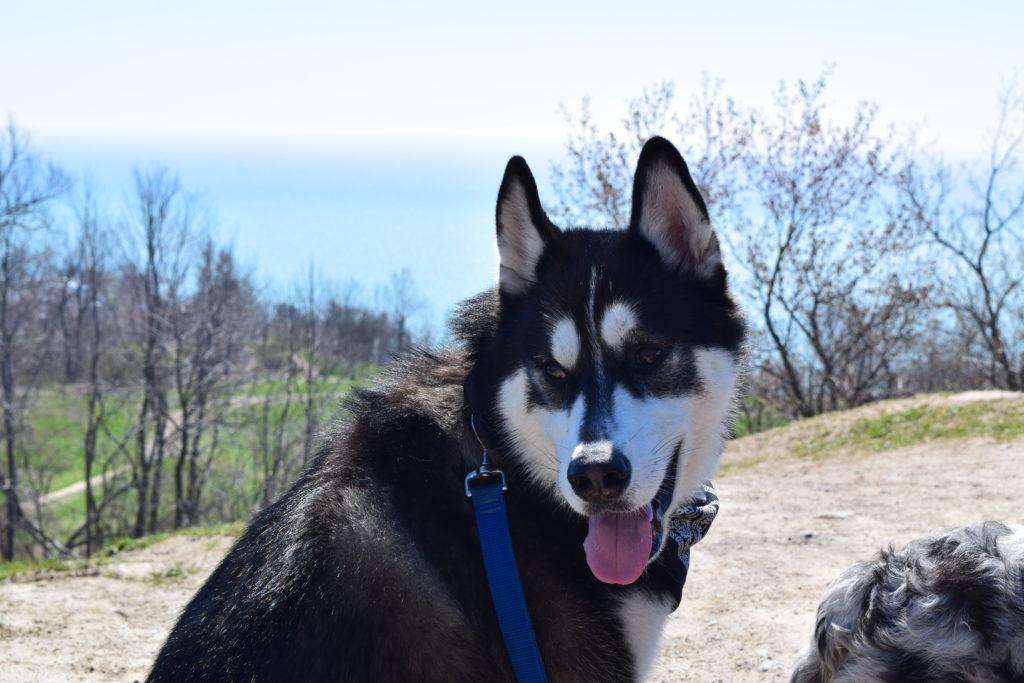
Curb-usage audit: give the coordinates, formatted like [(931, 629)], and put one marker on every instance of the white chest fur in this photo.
[(643, 617)]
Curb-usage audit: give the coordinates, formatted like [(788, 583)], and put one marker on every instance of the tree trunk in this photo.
[(142, 475), (7, 388), (160, 444)]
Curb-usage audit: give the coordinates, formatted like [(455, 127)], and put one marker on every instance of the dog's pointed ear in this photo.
[(523, 228), (670, 213)]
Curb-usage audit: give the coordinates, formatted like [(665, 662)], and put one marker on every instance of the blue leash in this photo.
[(485, 487)]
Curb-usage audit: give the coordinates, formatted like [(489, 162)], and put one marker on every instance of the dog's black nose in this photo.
[(598, 475)]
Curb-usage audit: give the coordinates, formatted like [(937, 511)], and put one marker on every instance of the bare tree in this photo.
[(833, 273), (91, 264), (209, 335), (167, 333), (402, 301), (593, 187), (822, 261), (88, 314), (341, 326), (161, 225), (984, 236), (309, 294), (28, 187), (354, 334), (276, 444)]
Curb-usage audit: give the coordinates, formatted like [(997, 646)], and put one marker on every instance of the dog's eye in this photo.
[(554, 370), (648, 355)]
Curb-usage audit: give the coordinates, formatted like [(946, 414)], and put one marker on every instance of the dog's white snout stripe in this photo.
[(593, 449), (565, 343)]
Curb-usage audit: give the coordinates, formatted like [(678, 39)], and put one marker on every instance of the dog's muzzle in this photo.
[(619, 543)]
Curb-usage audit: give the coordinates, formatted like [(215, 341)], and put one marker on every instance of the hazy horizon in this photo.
[(365, 141)]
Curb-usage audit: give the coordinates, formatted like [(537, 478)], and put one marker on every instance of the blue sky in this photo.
[(370, 138)]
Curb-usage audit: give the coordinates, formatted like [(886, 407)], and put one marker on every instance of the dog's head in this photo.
[(612, 360)]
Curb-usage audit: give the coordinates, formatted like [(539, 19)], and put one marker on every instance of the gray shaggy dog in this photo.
[(947, 607)]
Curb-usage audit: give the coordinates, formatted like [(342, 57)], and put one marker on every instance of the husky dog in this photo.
[(600, 373), (947, 607)]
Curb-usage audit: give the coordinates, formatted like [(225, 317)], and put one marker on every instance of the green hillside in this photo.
[(884, 426)]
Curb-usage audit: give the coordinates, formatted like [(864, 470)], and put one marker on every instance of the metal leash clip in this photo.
[(483, 474)]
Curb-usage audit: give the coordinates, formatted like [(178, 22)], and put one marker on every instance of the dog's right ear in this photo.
[(523, 228), (670, 213)]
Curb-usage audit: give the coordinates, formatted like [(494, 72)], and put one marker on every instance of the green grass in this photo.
[(67, 514), (926, 422), (998, 420), (756, 415), (343, 383), (112, 550), (126, 543), (53, 441), (9, 569), (51, 446), (745, 427), (174, 572)]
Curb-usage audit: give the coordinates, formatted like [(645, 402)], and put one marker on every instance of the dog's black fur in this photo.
[(369, 568), (947, 607)]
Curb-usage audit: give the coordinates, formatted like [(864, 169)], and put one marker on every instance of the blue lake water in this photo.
[(355, 211)]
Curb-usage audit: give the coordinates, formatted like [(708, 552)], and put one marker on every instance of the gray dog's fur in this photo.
[(947, 607)]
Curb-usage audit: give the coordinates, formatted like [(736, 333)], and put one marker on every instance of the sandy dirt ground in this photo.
[(786, 528)]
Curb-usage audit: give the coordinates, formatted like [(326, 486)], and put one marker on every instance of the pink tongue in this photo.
[(618, 545)]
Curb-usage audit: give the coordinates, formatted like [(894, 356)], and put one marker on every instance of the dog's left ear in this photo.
[(523, 228), (670, 213)]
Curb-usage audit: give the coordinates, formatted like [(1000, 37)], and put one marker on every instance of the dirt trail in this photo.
[(79, 486), (787, 527), (97, 480)]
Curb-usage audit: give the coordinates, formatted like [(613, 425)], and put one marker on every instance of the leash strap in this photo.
[(485, 488)]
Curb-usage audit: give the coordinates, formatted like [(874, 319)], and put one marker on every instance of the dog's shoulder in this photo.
[(395, 442), (422, 390)]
